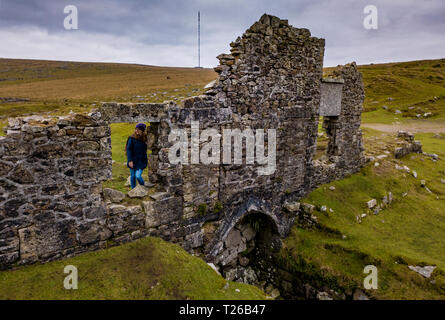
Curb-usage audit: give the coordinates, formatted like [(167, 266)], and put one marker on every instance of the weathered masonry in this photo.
[(51, 170)]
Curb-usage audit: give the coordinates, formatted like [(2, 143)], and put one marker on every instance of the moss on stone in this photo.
[(218, 207), (202, 209)]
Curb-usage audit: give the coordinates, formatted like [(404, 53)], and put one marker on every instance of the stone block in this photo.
[(233, 238), (92, 232), (113, 195), (138, 192), (162, 212), (331, 97), (8, 258), (371, 203), (45, 238), (95, 212)]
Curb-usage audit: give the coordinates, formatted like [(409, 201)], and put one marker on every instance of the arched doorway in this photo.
[(248, 243)]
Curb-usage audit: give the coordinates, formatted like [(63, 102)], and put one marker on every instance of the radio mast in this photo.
[(199, 39)]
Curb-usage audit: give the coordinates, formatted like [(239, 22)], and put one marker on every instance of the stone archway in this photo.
[(250, 236)]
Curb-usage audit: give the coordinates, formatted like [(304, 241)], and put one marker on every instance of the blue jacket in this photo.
[(137, 152)]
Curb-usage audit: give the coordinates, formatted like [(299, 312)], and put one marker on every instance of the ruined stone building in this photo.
[(51, 170)]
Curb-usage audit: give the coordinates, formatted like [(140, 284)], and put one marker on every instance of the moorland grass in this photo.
[(149, 268)]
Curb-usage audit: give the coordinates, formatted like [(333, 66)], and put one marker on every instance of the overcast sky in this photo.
[(164, 32)]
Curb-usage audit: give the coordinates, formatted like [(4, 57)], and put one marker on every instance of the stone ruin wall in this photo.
[(51, 170), (50, 184), (345, 147)]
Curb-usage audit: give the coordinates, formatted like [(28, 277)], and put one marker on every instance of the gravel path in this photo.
[(414, 127)]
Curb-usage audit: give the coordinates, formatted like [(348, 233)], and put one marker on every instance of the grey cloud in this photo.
[(164, 32)]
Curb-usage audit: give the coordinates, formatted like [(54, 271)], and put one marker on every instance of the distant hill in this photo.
[(61, 85), (415, 87), (37, 86)]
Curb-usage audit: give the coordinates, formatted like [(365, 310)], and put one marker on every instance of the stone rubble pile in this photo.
[(408, 146)]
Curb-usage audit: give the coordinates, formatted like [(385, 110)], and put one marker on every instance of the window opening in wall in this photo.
[(120, 181), (322, 141)]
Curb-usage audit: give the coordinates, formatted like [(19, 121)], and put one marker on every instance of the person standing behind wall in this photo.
[(137, 159)]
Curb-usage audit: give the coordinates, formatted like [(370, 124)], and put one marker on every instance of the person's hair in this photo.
[(143, 137)]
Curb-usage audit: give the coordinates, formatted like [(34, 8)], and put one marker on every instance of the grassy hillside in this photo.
[(58, 81), (149, 268), (59, 86), (414, 88), (410, 231)]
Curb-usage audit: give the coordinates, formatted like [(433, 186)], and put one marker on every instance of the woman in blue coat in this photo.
[(137, 159)]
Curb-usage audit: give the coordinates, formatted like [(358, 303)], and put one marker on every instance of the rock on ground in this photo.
[(214, 267), (424, 271), (292, 206), (359, 295), (371, 203), (138, 192), (324, 296), (113, 195)]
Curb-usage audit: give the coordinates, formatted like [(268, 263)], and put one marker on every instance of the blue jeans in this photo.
[(136, 175)]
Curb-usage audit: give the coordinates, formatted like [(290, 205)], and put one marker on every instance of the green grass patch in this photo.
[(411, 230), (414, 87), (148, 268)]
